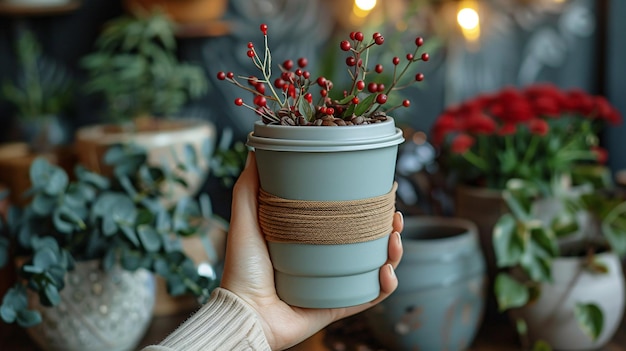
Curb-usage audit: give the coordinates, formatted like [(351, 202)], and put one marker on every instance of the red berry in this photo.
[(250, 53), (302, 62), (360, 85), (323, 110), (359, 63), (406, 103), (306, 74), (381, 87), (321, 81), (352, 35), (323, 92), (358, 36), (381, 98), (419, 77), (279, 83), (330, 111), (345, 45), (288, 65), (376, 35), (419, 41), (221, 75), (308, 97), (396, 61), (298, 72), (379, 68), (425, 56), (250, 45), (260, 87), (263, 28), (379, 40), (409, 57), (260, 100), (355, 100), (372, 87), (350, 61), (238, 101)]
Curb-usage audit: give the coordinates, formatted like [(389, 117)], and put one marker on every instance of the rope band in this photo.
[(326, 222)]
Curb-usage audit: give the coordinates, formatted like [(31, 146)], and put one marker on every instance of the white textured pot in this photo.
[(99, 311), (162, 138), (552, 319), (327, 164)]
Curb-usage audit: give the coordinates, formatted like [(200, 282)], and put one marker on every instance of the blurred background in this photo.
[(476, 46)]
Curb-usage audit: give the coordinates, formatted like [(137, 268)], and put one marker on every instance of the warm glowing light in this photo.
[(365, 5), (468, 18)]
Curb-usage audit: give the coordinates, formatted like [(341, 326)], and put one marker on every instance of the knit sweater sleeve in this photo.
[(224, 323)]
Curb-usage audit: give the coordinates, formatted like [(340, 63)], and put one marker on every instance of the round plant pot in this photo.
[(439, 302), (551, 318), (99, 311), (327, 164), (164, 140), (183, 11)]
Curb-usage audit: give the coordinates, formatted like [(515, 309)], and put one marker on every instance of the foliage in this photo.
[(41, 87), (286, 99), (120, 220), (228, 159), (527, 240), (531, 133), (136, 69)]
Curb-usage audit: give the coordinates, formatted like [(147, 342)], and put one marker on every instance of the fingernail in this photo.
[(401, 217), (390, 268), (399, 238)]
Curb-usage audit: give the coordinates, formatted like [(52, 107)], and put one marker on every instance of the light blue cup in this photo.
[(439, 303)]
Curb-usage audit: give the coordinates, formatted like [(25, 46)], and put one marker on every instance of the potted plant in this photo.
[(40, 95), (136, 71), (85, 247), (326, 170), (531, 133), (561, 276)]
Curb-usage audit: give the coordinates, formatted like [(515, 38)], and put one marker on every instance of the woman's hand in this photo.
[(248, 271)]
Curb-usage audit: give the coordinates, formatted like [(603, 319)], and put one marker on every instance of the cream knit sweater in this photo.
[(224, 323)]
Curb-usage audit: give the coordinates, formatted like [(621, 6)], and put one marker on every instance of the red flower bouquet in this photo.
[(533, 133)]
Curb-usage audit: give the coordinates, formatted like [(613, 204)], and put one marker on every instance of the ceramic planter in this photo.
[(327, 164), (439, 302), (551, 317), (98, 311), (162, 138)]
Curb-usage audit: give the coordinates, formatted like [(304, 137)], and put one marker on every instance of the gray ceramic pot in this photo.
[(440, 298), (327, 164), (99, 311)]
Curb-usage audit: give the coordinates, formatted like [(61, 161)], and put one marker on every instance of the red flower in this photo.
[(511, 106), (606, 111), (446, 124), (507, 129), (602, 154), (462, 143), (538, 127), (479, 123)]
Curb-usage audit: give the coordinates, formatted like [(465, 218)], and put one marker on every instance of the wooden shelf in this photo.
[(18, 10)]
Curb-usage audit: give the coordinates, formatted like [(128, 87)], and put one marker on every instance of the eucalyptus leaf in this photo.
[(51, 295), (149, 238), (27, 318)]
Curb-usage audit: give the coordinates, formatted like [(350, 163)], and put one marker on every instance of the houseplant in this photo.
[(40, 97), (534, 133), (327, 212), (135, 69), (112, 225), (561, 274)]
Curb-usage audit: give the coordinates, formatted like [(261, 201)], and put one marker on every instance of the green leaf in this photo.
[(305, 109), (507, 244), (66, 220), (149, 238), (28, 318), (191, 158), (509, 292), (45, 258), (364, 105), (130, 234), (541, 345), (8, 314), (43, 204), (590, 318), (51, 295)]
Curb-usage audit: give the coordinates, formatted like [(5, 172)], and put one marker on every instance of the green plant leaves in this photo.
[(590, 318), (508, 246), (509, 292)]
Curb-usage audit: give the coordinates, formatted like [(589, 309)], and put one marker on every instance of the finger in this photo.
[(394, 250), (245, 194), (398, 222)]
